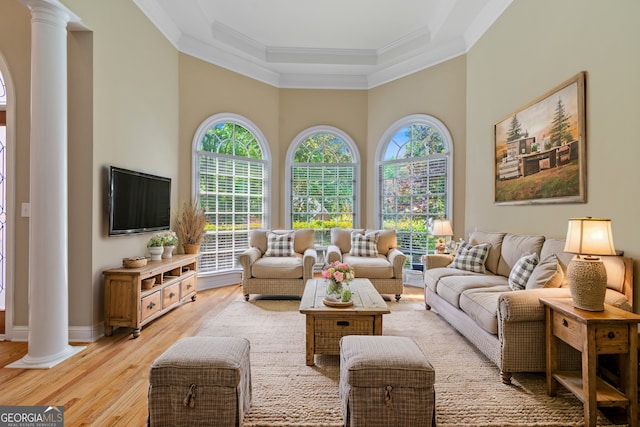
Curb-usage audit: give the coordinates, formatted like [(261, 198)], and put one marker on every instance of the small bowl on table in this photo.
[(134, 262)]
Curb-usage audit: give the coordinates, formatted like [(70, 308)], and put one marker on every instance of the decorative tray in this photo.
[(330, 302)]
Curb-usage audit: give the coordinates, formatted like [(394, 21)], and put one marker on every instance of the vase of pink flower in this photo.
[(339, 274)]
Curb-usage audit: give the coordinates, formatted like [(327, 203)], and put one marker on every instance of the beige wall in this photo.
[(15, 47), (531, 49), (342, 109), (135, 110), (136, 102), (123, 109), (438, 91), (207, 89)]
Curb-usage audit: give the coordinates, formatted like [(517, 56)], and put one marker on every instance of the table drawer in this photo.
[(612, 339), (568, 330), (329, 330), (170, 295), (150, 304)]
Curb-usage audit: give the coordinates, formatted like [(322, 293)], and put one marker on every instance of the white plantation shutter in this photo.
[(414, 181), (322, 182), (232, 189)]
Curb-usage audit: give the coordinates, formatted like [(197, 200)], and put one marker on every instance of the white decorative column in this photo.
[(48, 230)]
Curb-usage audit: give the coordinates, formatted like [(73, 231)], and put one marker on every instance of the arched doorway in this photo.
[(6, 198)]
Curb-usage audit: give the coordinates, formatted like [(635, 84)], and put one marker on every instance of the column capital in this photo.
[(51, 11)]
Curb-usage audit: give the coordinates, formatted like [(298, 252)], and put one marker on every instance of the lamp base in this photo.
[(587, 282)]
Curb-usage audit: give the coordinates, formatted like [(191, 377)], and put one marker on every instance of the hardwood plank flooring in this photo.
[(106, 384)]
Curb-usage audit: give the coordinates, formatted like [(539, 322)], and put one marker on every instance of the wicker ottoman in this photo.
[(201, 381), (385, 381)]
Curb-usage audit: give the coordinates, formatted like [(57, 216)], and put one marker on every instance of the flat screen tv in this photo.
[(138, 202)]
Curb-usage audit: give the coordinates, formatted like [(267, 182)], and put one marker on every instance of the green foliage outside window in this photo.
[(322, 185), (414, 187)]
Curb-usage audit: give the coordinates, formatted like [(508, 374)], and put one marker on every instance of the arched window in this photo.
[(414, 181), (322, 176), (231, 170)]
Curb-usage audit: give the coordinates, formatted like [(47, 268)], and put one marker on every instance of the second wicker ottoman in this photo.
[(385, 381), (201, 381)]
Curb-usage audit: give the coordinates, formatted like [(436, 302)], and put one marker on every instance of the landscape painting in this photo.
[(540, 149)]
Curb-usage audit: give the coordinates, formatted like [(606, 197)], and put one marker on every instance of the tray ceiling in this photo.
[(346, 44)]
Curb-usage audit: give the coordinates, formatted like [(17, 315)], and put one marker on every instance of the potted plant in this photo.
[(156, 247), (169, 241), (191, 222)]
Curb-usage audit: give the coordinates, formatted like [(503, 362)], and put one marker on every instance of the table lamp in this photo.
[(441, 228), (587, 238)]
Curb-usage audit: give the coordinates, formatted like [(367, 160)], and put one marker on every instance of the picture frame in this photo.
[(540, 149)]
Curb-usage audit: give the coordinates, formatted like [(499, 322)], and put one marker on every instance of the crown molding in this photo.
[(287, 67)]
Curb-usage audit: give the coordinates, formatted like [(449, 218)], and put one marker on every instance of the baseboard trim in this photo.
[(81, 334), (219, 280)]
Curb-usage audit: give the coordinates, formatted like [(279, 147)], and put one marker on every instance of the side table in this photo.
[(612, 331)]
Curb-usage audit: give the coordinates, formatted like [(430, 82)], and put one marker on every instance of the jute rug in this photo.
[(469, 392)]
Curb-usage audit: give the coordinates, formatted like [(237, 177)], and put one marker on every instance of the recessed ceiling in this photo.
[(344, 44)]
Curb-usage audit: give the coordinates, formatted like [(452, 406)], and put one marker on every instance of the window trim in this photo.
[(249, 125), (207, 124), (10, 179), (301, 137), (421, 119)]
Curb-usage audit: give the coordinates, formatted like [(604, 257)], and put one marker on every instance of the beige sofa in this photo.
[(277, 275), (384, 270), (507, 325)]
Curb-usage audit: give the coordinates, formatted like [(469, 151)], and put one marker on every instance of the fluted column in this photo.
[(48, 230)]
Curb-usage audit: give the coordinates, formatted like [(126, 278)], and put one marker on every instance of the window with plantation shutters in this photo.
[(322, 174), (414, 181), (232, 183)]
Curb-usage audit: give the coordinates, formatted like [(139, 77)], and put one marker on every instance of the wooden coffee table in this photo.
[(326, 325)]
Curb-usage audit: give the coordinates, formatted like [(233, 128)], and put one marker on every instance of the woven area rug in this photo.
[(469, 392)]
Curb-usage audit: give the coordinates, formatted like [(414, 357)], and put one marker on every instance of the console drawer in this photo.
[(170, 295), (150, 305), (188, 285)]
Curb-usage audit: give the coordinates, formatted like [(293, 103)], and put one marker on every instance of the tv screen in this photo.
[(138, 202)]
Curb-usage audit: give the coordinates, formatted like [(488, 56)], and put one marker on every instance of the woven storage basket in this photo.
[(148, 283), (329, 330)]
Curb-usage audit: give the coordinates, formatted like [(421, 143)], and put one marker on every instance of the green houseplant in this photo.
[(156, 247), (191, 222)]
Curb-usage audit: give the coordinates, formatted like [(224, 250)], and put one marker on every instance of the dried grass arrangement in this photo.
[(191, 222)]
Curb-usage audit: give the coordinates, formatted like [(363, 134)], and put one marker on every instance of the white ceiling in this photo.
[(344, 44)]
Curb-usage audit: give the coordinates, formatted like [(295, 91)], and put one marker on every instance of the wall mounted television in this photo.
[(138, 202)]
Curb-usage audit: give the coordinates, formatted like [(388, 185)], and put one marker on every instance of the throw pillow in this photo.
[(521, 272), (470, 258), (547, 274), (279, 244), (364, 244)]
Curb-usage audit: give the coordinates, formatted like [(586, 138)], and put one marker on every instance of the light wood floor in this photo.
[(107, 383)]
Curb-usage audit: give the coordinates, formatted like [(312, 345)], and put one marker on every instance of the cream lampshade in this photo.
[(441, 228), (587, 238)]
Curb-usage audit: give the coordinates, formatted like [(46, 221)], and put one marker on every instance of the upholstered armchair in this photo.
[(278, 262), (373, 254)]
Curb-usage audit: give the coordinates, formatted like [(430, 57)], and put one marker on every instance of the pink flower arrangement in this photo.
[(338, 272)]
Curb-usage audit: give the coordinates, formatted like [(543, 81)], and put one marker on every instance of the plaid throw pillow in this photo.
[(364, 244), (279, 244), (470, 258), (521, 272)]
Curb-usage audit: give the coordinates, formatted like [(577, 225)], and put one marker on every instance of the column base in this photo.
[(28, 362)]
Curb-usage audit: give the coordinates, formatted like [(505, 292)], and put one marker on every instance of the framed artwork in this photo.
[(540, 149)]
